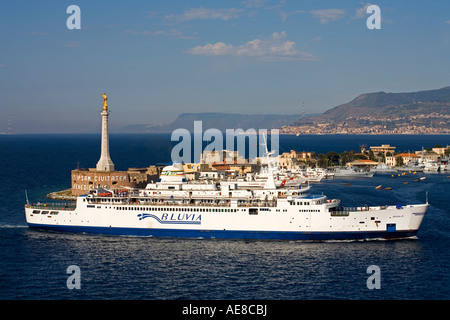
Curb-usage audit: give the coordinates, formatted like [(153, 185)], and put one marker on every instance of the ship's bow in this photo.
[(417, 215)]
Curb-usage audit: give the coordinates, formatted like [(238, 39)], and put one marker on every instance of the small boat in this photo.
[(423, 178), (388, 188), (352, 172), (417, 180), (405, 182), (379, 187)]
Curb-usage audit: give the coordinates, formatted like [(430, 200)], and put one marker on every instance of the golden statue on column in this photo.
[(105, 102)]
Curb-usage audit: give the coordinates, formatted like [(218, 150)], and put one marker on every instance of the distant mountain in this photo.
[(423, 112), (387, 105), (221, 121), (370, 113)]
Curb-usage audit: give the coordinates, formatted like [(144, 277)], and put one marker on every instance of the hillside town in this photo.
[(432, 123)]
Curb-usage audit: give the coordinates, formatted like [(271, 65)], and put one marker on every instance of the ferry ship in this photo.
[(175, 207)]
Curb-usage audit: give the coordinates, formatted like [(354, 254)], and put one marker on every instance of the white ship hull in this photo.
[(283, 222)]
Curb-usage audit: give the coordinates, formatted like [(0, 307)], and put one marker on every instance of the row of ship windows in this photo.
[(197, 209), (45, 212), (300, 203)]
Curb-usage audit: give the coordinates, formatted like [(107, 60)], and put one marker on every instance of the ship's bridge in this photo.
[(311, 199)]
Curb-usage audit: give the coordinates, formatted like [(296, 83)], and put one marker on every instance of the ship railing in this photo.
[(258, 204), (170, 202), (365, 208), (351, 209), (229, 204), (53, 206)]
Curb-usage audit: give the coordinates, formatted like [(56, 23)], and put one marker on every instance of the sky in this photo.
[(158, 59)]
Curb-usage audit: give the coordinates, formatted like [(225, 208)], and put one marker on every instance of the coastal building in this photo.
[(221, 156), (229, 162), (245, 168), (294, 159), (384, 148), (441, 151), (196, 167), (236, 167), (363, 163), (402, 158), (428, 155)]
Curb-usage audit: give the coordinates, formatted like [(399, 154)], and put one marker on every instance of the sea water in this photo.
[(34, 264)]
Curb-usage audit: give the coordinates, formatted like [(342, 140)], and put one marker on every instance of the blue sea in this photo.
[(33, 264)]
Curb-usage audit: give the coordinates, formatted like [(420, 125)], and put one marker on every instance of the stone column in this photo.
[(105, 163)]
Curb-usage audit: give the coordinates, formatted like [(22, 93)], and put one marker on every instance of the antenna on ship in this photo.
[(26, 197), (270, 183)]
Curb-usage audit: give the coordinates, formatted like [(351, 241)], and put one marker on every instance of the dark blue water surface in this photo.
[(33, 264)]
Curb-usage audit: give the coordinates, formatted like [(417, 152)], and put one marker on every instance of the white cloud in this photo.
[(327, 15), (276, 48), (361, 13), (168, 33), (217, 49), (254, 3), (208, 14)]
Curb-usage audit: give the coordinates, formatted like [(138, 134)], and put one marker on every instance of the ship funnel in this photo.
[(173, 174)]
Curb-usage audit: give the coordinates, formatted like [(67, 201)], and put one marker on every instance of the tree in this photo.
[(346, 157), (371, 155), (333, 158), (322, 161), (381, 157)]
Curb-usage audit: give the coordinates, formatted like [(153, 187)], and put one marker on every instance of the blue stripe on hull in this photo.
[(229, 234)]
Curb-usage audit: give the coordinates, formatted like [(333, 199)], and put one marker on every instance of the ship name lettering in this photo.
[(181, 217)]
